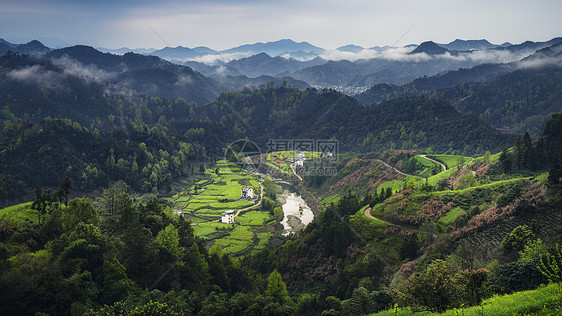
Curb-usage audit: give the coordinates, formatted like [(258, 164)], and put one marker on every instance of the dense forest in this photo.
[(149, 141), (119, 254), (310, 114)]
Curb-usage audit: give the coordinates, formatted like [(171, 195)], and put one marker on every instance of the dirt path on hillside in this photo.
[(368, 214), (435, 161), (391, 167), (395, 274), (295, 171)]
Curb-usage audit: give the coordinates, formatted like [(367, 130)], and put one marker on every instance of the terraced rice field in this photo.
[(217, 193)]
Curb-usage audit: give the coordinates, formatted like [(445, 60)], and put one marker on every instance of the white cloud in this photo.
[(215, 59), (75, 68), (184, 80), (50, 79), (39, 75)]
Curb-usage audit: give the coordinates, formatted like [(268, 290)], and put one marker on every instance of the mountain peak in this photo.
[(460, 44), (430, 48), (350, 48)]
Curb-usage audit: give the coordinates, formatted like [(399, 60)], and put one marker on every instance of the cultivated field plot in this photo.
[(221, 191), (219, 194)]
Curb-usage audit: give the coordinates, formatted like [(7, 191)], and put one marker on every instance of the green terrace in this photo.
[(220, 191)]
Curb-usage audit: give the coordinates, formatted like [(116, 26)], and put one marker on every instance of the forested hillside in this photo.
[(165, 126), (41, 155), (480, 230), (402, 123), (518, 97)]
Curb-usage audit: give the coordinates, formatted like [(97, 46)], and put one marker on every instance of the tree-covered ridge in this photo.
[(518, 97), (42, 154), (39, 88), (402, 123), (518, 102), (75, 69), (85, 256), (103, 123)]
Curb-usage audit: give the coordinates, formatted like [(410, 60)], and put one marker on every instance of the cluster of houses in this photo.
[(298, 160), (246, 193)]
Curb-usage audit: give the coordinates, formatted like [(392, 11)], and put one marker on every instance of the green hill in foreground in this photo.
[(545, 300)]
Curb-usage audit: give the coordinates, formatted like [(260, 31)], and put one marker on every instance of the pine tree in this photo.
[(277, 289)]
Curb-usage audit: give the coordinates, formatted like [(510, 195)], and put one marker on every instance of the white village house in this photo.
[(247, 193), (299, 161), (228, 217)]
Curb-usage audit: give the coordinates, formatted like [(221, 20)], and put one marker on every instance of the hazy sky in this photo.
[(221, 24)]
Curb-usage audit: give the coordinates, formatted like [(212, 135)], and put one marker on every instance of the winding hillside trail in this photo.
[(465, 167), (295, 171), (435, 161), (391, 167), (395, 274), (368, 214)]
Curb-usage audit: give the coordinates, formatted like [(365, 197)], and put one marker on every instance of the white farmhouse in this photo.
[(247, 193), (299, 161), (228, 217)]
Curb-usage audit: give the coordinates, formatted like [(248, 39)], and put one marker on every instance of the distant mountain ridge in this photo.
[(350, 48), (256, 65), (182, 53), (505, 95), (277, 48), (463, 45), (368, 66), (143, 74), (32, 47)]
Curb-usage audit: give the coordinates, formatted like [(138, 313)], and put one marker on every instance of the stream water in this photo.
[(296, 213)]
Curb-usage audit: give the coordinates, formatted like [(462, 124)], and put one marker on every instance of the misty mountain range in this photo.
[(285, 47), (202, 81)]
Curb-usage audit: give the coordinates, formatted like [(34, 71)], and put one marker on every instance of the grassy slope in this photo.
[(20, 214), (546, 300)]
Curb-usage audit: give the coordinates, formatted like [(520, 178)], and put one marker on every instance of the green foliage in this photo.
[(542, 301), (451, 216), (168, 240), (518, 238), (466, 181), (551, 265), (533, 249), (433, 288), (277, 289), (516, 276), (79, 210), (437, 289), (116, 284), (20, 214)]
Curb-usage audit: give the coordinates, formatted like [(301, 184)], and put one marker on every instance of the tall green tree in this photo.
[(80, 210), (277, 289)]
